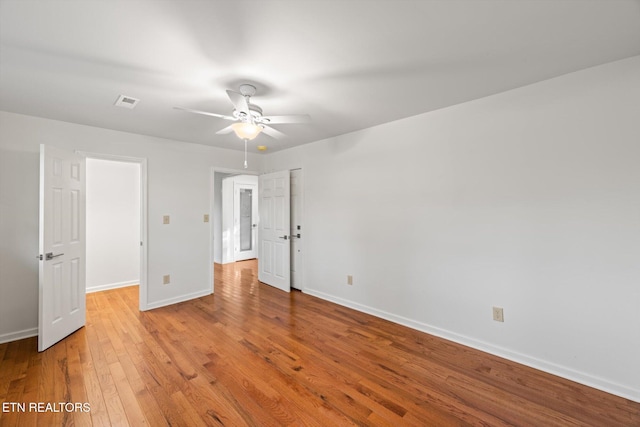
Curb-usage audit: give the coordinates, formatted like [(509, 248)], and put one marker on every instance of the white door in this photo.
[(297, 229), (274, 247), (62, 245), (245, 221)]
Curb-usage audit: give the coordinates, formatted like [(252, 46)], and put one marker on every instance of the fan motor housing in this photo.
[(247, 90), (256, 113)]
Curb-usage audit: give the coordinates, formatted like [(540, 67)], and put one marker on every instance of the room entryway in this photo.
[(113, 224), (63, 250), (235, 232)]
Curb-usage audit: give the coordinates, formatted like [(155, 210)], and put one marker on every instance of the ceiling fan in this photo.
[(248, 117)]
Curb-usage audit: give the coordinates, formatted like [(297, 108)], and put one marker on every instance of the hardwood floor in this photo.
[(253, 355)]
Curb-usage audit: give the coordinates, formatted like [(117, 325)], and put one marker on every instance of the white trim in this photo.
[(542, 365), (144, 251), (212, 202), (180, 298), (236, 171), (303, 241), (113, 157), (109, 286), (19, 335)]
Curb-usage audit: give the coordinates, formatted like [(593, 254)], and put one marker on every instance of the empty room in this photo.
[(197, 200)]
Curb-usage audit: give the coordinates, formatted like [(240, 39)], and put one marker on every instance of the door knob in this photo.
[(50, 255), (284, 237)]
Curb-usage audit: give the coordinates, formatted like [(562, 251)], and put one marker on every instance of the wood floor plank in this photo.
[(253, 355), (32, 375), (8, 371), (75, 377), (91, 357), (99, 414), (103, 355), (127, 397), (13, 395), (157, 391)]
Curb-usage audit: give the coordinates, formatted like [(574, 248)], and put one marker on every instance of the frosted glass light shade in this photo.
[(246, 130)]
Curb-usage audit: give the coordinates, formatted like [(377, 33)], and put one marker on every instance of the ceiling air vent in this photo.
[(126, 102)]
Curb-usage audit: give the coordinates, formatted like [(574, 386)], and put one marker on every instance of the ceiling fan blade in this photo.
[(238, 101), (292, 118), (273, 133), (226, 130), (205, 113)]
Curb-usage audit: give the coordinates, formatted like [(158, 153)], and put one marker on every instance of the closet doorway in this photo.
[(116, 223)]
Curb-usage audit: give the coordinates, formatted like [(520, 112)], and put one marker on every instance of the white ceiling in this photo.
[(349, 64)]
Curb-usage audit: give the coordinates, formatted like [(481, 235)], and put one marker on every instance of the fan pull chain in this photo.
[(245, 153)]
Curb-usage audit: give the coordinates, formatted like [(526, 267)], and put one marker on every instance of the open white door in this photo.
[(62, 245), (273, 235)]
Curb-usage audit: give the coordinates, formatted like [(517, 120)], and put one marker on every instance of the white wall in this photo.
[(178, 185), (113, 224), (527, 200)]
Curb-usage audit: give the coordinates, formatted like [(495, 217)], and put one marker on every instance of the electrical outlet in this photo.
[(166, 219), (166, 279), (206, 217), (498, 314), (349, 280)]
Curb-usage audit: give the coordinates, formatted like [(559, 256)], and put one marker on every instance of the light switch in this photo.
[(166, 219), (206, 217)]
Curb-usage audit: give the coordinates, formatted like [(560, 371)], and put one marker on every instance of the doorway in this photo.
[(112, 224), (234, 212), (116, 224), (62, 272), (239, 217), (221, 253)]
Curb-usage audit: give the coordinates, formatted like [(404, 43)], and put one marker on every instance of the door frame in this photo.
[(302, 242), (212, 212), (142, 287)]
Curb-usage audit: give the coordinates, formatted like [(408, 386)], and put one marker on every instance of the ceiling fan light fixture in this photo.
[(246, 130)]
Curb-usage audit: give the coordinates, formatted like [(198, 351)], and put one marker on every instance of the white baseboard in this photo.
[(91, 289), (181, 298), (19, 335), (542, 365)]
